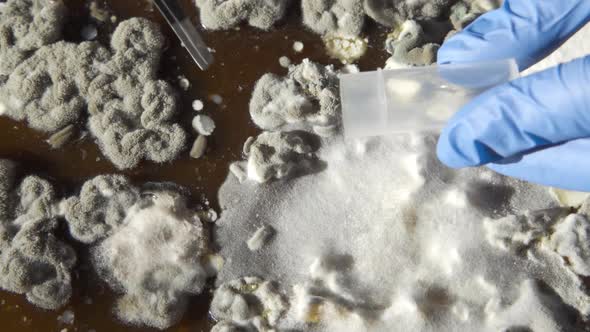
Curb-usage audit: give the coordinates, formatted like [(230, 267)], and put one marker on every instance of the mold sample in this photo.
[(278, 155), (100, 208), (33, 261), (307, 97), (571, 239), (345, 17), (249, 304), (466, 11), (392, 12), (410, 48), (131, 112), (25, 26), (518, 232), (51, 84), (146, 244), (225, 14)]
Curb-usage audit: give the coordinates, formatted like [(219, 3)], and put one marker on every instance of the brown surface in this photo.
[(241, 58)]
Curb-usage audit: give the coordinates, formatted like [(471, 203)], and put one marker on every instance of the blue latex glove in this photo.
[(536, 128)]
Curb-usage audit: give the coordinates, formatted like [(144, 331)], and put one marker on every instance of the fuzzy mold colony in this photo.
[(51, 84)]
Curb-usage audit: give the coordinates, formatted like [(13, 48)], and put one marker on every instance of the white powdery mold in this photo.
[(248, 303), (225, 14), (203, 124), (306, 99), (329, 16), (571, 239), (278, 155), (518, 232), (147, 245)]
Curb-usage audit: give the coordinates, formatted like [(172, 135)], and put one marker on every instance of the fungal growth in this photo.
[(410, 48), (33, 261), (51, 84), (132, 113), (249, 304), (306, 99), (147, 244), (345, 17), (392, 12), (278, 155), (25, 26), (225, 14)]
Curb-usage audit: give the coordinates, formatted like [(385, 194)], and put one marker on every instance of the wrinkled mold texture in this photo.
[(33, 261), (51, 83), (146, 244), (225, 14)]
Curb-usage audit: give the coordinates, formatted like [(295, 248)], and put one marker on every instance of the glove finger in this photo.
[(565, 166), (525, 30), (545, 108)]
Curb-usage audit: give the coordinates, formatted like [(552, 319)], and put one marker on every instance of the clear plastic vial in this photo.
[(415, 99)]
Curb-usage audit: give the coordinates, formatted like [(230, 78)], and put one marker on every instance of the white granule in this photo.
[(284, 62), (203, 124), (183, 83), (298, 46), (198, 105), (260, 238), (2, 108), (217, 99)]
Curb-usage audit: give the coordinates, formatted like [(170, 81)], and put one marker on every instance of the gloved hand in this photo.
[(536, 128)]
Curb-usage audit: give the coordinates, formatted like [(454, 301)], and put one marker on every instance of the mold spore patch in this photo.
[(146, 244), (33, 261), (307, 98), (392, 12), (248, 303), (25, 26), (410, 48), (345, 17), (225, 14), (278, 155), (51, 83)]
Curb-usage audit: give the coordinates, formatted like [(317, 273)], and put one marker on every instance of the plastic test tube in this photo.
[(415, 99)]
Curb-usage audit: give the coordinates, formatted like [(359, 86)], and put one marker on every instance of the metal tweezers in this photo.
[(186, 31)]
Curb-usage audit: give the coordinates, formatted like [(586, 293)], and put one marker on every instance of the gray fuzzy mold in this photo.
[(25, 26), (225, 14), (131, 112), (306, 99), (278, 155), (392, 12), (100, 208), (33, 261), (334, 16), (410, 47)]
